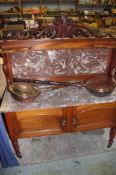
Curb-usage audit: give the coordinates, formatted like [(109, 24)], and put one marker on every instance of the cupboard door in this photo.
[(92, 117), (38, 122)]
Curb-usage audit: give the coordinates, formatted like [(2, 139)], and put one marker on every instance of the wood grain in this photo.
[(60, 120)]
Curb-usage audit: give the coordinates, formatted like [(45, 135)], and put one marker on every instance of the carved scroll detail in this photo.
[(61, 27)]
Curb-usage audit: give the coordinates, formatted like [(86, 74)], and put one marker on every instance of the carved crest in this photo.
[(61, 27)]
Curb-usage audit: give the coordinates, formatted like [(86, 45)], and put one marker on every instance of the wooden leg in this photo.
[(10, 119), (16, 148), (112, 136)]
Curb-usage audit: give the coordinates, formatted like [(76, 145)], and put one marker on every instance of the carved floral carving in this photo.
[(61, 27)]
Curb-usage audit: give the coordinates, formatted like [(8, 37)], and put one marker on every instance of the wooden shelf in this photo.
[(9, 1), (9, 13), (20, 4), (96, 5)]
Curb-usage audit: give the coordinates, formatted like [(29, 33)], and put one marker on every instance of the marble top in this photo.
[(51, 98)]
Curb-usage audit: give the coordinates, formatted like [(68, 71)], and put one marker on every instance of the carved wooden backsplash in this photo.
[(42, 63), (62, 27)]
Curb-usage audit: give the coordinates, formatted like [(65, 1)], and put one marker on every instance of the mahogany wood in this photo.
[(10, 119), (44, 44), (61, 27), (112, 136), (8, 69), (57, 44), (113, 61), (51, 121), (60, 120)]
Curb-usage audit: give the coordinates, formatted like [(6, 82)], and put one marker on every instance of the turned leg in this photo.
[(112, 136), (10, 119), (16, 148)]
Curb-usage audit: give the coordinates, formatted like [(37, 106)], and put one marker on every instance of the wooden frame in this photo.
[(61, 120), (9, 47)]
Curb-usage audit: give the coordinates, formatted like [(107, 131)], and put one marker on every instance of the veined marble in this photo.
[(67, 96), (35, 64)]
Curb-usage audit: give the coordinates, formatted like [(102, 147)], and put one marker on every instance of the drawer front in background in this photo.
[(93, 116), (38, 122)]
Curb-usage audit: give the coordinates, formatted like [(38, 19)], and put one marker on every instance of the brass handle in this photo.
[(63, 122), (74, 121)]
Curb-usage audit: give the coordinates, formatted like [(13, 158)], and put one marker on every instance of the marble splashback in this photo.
[(41, 63)]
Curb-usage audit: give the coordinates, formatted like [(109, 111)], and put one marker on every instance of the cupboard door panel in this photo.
[(93, 117), (38, 122)]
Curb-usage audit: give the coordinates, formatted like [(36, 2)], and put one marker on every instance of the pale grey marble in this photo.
[(67, 96)]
